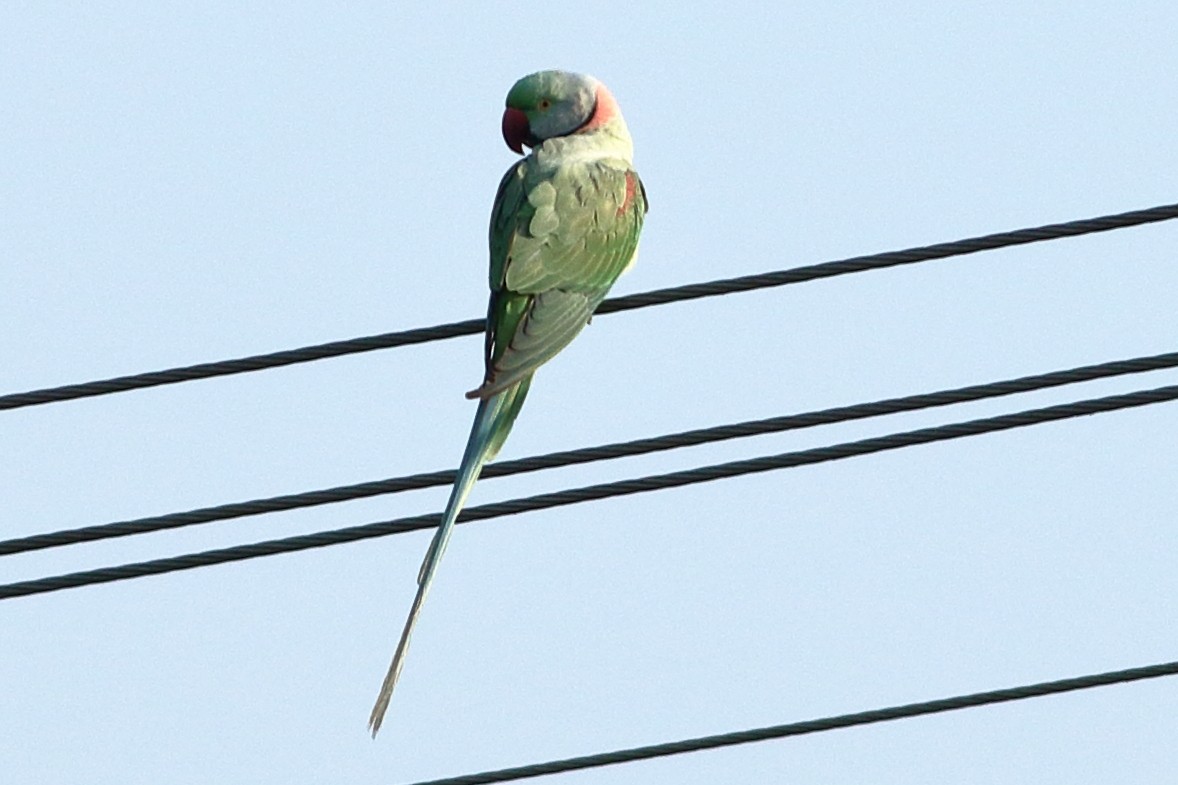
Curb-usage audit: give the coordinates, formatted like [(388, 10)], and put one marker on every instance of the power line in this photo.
[(695, 437), (641, 300), (817, 726), (594, 492)]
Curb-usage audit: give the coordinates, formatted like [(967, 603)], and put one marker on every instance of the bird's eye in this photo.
[(544, 103)]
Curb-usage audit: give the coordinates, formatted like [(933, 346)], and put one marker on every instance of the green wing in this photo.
[(558, 243)]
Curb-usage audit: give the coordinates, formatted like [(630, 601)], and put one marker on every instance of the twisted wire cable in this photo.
[(595, 492), (746, 283), (824, 724), (690, 438)]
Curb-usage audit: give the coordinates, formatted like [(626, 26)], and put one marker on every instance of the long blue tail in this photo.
[(492, 423)]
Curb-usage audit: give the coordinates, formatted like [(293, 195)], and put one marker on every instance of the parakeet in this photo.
[(564, 226)]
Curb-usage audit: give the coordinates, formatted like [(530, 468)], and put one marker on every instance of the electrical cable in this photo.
[(641, 300), (817, 726), (594, 492), (690, 438)]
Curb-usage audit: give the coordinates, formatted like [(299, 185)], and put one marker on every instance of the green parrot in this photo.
[(564, 226)]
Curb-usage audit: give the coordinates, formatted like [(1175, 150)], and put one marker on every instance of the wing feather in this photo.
[(558, 243)]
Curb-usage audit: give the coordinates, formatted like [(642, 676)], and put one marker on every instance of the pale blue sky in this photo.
[(185, 183)]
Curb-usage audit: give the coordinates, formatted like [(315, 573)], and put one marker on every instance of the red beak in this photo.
[(515, 129)]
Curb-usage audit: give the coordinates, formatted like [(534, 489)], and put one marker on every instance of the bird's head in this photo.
[(548, 104)]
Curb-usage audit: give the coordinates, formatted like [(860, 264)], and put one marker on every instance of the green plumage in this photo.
[(560, 237), (564, 226)]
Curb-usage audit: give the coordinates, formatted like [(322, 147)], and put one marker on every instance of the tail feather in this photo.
[(492, 423)]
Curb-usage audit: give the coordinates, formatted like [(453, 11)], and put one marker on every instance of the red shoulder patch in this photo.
[(631, 189)]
